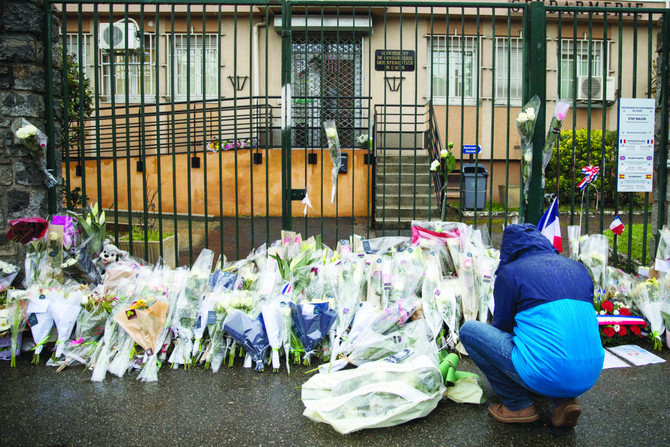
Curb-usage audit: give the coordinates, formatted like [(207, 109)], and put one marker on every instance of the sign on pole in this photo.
[(636, 144), (472, 149)]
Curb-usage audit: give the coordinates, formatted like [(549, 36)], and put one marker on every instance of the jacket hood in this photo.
[(520, 240)]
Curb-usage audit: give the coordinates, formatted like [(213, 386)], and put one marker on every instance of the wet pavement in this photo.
[(240, 407)]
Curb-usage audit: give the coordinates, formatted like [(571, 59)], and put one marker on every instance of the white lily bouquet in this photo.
[(36, 142), (525, 123), (593, 253), (554, 132), (335, 153), (574, 234), (7, 274)]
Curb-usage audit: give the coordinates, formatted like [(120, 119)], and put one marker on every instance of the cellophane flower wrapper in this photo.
[(105, 349), (40, 321), (250, 334), (652, 297), (335, 153), (64, 308), (554, 132), (662, 261), (8, 273), (36, 142), (378, 394), (619, 286), (574, 236), (428, 303), (469, 293), (273, 318), (374, 345), (17, 305), (187, 308), (88, 332), (448, 299), (80, 267), (173, 282), (593, 253), (311, 323), (35, 265), (486, 268), (525, 124)]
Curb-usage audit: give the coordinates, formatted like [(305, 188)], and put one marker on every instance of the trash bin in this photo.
[(469, 195)]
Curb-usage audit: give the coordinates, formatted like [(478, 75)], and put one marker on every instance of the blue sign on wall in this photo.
[(472, 149)]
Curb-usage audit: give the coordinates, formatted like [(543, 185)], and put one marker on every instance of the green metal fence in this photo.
[(206, 117)]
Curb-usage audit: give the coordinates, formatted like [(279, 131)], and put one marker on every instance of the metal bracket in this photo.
[(393, 82), (298, 194)]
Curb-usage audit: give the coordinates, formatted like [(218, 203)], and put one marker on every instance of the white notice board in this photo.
[(636, 144)]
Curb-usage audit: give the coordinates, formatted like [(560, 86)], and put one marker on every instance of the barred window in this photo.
[(509, 70), (453, 65), (190, 53), (580, 57), (134, 73)]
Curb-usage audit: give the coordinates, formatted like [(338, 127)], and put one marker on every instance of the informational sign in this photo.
[(636, 144), (395, 60), (472, 149)]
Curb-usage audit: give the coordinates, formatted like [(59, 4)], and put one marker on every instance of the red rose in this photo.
[(622, 330), (609, 331), (624, 311), (635, 329), (608, 306), (27, 229)]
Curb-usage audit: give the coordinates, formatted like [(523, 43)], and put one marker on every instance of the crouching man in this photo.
[(544, 339)]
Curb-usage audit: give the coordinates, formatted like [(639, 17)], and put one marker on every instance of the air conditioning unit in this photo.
[(113, 36), (595, 83)]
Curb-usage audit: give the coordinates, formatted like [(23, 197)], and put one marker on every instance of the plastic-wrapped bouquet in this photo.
[(574, 235), (335, 153), (525, 123), (593, 253), (554, 132), (662, 262), (7, 274), (652, 297), (36, 142), (39, 319)]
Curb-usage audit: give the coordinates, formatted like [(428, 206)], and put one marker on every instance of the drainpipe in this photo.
[(256, 62)]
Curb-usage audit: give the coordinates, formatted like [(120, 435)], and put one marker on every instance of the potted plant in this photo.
[(146, 239)]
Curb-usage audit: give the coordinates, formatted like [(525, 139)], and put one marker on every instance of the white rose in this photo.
[(434, 165), (617, 328), (616, 312), (444, 153), (26, 131), (603, 312), (523, 117), (530, 112), (4, 324), (528, 156), (331, 132)]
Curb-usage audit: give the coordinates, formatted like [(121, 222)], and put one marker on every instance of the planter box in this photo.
[(169, 248)]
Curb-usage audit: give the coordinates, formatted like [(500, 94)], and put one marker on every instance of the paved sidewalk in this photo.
[(239, 407)]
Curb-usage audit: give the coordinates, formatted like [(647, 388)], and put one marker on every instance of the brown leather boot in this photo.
[(502, 414), (566, 414)]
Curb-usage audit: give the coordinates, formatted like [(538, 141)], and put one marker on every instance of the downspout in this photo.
[(256, 61)]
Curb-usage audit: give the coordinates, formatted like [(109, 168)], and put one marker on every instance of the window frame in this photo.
[(210, 38), (134, 84), (582, 51), (454, 53), (515, 45)]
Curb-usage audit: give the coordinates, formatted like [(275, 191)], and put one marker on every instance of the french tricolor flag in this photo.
[(617, 226), (550, 227)]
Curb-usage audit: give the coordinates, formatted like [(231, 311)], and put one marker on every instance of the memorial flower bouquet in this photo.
[(36, 142), (17, 305), (616, 324), (443, 167), (574, 235), (39, 319), (525, 123), (652, 297), (7, 274), (554, 132), (335, 153), (250, 334), (311, 323), (662, 261), (593, 253)]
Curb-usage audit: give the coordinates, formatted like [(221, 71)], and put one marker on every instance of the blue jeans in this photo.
[(491, 350)]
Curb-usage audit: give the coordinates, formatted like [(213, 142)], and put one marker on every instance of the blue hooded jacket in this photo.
[(546, 301)]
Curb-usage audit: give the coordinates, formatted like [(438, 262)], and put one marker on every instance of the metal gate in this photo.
[(205, 118)]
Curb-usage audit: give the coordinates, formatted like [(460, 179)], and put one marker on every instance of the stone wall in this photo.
[(22, 95)]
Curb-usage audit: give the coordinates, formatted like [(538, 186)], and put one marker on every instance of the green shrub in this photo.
[(577, 151)]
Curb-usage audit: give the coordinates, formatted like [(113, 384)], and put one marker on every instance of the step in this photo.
[(406, 189), (406, 212), (411, 201), (404, 167)]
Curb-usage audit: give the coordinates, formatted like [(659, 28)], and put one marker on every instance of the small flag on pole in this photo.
[(617, 226), (550, 226)]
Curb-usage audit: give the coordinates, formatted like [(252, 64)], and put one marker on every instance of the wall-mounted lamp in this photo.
[(393, 82), (139, 166), (258, 158), (311, 159), (195, 162), (238, 81), (77, 170)]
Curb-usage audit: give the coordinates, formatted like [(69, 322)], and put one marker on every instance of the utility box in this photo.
[(472, 174)]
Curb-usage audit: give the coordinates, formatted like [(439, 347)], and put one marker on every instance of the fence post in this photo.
[(286, 115), (663, 102), (535, 83)]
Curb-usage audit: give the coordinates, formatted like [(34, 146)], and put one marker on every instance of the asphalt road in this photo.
[(240, 407)]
